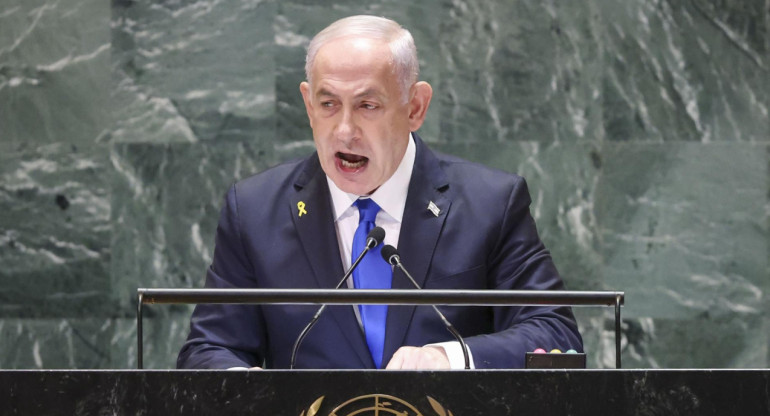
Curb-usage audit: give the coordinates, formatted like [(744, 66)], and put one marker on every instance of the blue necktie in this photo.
[(372, 273)]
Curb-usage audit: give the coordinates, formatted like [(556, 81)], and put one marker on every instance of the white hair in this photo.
[(400, 41)]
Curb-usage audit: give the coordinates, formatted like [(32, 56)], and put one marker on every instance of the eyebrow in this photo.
[(367, 92), (325, 92)]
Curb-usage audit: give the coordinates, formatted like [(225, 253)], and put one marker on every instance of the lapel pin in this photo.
[(432, 207), (301, 208)]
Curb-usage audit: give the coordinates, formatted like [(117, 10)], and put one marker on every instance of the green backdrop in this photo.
[(641, 125)]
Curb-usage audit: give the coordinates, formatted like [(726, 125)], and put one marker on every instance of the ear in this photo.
[(304, 89), (419, 101)]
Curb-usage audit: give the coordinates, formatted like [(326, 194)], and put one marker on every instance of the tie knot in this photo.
[(367, 209)]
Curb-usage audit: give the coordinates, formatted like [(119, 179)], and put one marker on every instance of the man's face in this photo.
[(360, 121)]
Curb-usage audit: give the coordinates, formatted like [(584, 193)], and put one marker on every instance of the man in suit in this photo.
[(457, 225)]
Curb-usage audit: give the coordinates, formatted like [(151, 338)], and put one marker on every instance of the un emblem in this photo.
[(376, 404)]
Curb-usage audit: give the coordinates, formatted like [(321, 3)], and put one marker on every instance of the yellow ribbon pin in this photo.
[(301, 208)]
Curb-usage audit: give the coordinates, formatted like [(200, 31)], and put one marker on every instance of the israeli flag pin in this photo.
[(432, 207)]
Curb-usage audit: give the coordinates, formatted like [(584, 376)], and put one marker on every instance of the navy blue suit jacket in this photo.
[(483, 238)]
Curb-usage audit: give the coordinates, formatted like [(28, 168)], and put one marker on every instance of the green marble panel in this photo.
[(694, 71), (189, 71), (54, 72), (684, 233), (55, 343), (293, 29), (725, 341), (528, 71), (166, 200), (598, 331), (684, 228), (54, 232), (164, 330)]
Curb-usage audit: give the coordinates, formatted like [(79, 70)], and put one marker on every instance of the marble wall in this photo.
[(641, 125)]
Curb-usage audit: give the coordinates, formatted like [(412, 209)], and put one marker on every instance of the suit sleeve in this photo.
[(225, 336), (520, 261)]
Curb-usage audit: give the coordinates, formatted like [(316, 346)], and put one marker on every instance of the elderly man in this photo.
[(457, 225)]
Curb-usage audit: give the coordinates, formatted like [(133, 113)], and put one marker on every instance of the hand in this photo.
[(419, 358)]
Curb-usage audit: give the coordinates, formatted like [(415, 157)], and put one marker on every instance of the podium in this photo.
[(380, 392), (385, 297)]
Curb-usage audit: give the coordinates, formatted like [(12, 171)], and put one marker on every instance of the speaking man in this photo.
[(456, 225)]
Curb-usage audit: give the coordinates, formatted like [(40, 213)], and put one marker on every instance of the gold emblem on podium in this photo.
[(376, 404)]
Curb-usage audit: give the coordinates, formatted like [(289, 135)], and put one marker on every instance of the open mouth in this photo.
[(350, 161)]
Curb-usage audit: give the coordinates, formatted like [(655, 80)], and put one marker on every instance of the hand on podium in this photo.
[(419, 358)]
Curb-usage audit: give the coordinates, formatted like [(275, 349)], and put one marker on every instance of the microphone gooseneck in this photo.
[(390, 254), (373, 239)]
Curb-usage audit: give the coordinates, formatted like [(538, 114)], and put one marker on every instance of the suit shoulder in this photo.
[(274, 179)]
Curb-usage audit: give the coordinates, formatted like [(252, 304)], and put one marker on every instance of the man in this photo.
[(456, 224)]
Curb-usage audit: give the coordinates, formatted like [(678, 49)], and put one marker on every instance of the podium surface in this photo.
[(348, 392)]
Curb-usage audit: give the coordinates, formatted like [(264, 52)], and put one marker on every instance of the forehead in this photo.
[(353, 63)]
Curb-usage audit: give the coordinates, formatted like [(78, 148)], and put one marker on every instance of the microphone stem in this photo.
[(303, 334), (354, 265), (370, 243)]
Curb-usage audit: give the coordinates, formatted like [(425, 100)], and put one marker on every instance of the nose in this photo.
[(345, 130)]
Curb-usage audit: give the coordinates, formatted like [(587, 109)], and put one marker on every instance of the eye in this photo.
[(326, 103), (369, 106)]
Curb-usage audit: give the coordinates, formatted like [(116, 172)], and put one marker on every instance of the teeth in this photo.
[(352, 165)]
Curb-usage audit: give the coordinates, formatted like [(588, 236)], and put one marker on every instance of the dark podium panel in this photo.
[(459, 393)]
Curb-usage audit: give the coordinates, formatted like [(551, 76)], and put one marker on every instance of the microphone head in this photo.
[(390, 254), (377, 235)]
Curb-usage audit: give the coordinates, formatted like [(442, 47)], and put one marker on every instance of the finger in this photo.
[(397, 361), (403, 359), (412, 357), (427, 358)]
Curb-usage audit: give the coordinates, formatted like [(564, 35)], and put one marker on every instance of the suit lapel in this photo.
[(417, 241), (313, 217)]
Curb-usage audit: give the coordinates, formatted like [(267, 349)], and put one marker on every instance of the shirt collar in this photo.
[(390, 196)]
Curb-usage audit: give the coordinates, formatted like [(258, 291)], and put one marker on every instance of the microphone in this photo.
[(390, 254), (373, 239)]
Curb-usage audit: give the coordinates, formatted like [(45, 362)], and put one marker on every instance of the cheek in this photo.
[(318, 126), (387, 159), (321, 144)]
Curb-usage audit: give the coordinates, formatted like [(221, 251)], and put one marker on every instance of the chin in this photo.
[(353, 188), (356, 190)]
